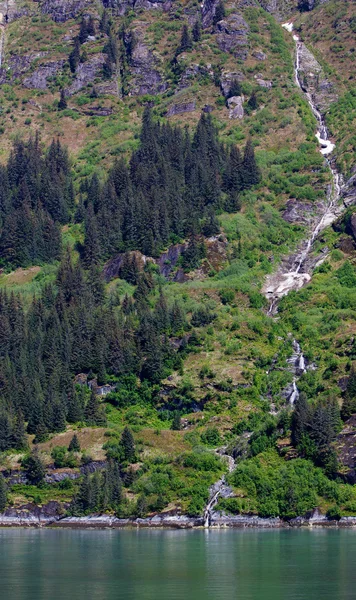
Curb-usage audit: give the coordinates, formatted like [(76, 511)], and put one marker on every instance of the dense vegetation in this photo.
[(128, 388)]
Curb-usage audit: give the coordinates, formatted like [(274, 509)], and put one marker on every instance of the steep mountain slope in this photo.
[(155, 307)]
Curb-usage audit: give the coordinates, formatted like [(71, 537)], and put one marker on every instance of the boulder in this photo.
[(232, 36), (178, 109), (264, 83), (259, 55), (235, 106)]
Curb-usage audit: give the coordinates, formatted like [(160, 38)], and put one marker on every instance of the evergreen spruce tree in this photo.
[(19, 440), (74, 56), (94, 414), (196, 31), (83, 32), (74, 445), (34, 467), (235, 89), (128, 445), (253, 102), (349, 403), (177, 422), (219, 13), (300, 419), (250, 171), (3, 493), (185, 41), (141, 506), (62, 104)]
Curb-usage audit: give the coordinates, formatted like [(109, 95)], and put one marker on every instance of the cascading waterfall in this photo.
[(293, 278), (293, 273)]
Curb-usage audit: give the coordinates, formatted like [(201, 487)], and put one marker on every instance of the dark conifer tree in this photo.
[(128, 445), (300, 419), (34, 467), (3, 493), (253, 102), (185, 40), (349, 403), (74, 445), (196, 31), (94, 414), (83, 32), (74, 56), (62, 104), (220, 13), (250, 171)]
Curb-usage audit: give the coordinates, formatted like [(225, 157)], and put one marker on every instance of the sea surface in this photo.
[(177, 565)]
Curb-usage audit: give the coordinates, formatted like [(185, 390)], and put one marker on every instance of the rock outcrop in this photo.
[(63, 10), (232, 36), (39, 78), (18, 65), (183, 107), (235, 106), (227, 78), (146, 77), (86, 73), (208, 9), (313, 80)]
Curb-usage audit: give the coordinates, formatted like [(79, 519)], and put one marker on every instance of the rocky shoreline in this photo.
[(51, 515)]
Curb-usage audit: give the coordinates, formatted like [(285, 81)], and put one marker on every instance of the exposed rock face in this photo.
[(30, 514), (38, 79), (346, 444), (227, 78), (178, 109), (349, 191), (166, 262), (18, 65), (207, 12), (297, 211), (121, 6), (63, 10), (259, 55), (236, 110), (148, 5), (232, 36), (144, 68), (314, 81), (86, 73), (193, 72)]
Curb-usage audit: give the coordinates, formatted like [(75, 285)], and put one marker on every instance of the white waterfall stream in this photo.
[(293, 274)]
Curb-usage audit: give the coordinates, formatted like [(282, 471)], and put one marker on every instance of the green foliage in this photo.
[(211, 437), (3, 493), (74, 445), (285, 489), (63, 458), (34, 468)]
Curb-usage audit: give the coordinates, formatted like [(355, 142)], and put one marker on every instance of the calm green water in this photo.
[(172, 565)]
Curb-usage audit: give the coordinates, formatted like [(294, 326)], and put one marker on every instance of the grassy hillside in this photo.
[(227, 392)]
